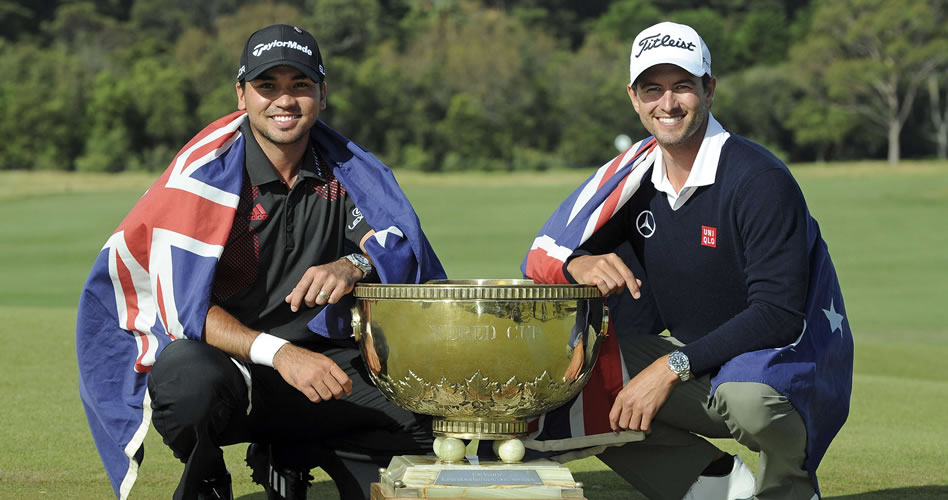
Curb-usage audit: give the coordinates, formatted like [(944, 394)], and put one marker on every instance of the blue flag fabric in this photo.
[(814, 372), (151, 282)]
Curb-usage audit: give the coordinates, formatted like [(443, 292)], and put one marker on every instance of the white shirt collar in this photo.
[(703, 171)]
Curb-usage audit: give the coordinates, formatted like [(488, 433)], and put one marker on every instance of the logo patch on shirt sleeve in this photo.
[(709, 236)]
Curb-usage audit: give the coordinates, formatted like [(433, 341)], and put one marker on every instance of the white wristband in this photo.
[(264, 348)]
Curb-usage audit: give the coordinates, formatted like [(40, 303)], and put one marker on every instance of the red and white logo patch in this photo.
[(709, 236), (258, 213)]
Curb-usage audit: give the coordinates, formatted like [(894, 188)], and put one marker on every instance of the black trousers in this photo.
[(200, 402)]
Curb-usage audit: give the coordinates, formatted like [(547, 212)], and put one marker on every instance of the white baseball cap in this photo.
[(669, 43)]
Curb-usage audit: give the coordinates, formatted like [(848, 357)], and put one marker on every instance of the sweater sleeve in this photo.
[(628, 315), (771, 217)]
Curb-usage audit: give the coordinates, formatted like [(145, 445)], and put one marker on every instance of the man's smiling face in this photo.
[(672, 104), (282, 104)]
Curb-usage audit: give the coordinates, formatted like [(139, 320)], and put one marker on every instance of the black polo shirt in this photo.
[(279, 232)]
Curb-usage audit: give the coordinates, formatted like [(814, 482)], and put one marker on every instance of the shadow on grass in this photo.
[(604, 485), (322, 490), (607, 485), (914, 492)]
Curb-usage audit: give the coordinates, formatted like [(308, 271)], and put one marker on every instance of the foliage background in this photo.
[(481, 86), (447, 85)]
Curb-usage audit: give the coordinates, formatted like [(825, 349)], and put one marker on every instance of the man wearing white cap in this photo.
[(720, 250)]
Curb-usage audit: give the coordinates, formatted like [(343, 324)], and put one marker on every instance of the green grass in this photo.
[(885, 229)]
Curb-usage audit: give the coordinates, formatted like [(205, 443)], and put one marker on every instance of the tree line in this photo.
[(447, 85)]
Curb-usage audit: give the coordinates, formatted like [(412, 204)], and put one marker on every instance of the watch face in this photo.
[(678, 362)]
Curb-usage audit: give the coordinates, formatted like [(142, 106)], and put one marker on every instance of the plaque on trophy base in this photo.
[(414, 476)]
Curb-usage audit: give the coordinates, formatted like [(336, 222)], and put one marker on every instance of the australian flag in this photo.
[(814, 372), (151, 282)]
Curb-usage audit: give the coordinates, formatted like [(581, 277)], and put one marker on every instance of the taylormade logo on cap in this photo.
[(669, 43), (263, 47)]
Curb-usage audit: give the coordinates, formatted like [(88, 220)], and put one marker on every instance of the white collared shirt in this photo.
[(703, 170)]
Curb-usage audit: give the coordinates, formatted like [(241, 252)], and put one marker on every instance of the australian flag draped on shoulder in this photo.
[(151, 282), (814, 372), (581, 427)]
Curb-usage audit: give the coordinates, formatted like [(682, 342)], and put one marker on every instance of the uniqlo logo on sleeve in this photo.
[(709, 236)]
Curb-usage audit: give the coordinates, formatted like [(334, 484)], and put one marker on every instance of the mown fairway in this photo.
[(886, 230)]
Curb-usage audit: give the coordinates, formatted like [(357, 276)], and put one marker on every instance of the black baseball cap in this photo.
[(281, 45)]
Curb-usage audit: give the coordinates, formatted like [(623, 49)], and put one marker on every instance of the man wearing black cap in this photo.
[(298, 243)]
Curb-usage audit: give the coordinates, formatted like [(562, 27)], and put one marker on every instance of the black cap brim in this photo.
[(312, 75)]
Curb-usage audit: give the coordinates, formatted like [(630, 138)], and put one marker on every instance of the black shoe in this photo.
[(280, 483), (217, 488)]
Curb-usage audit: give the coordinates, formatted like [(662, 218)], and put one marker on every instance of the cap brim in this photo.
[(312, 75), (700, 74)]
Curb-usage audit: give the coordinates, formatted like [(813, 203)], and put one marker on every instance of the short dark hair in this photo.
[(705, 81)]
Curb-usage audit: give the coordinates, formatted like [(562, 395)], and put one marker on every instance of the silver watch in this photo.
[(361, 262), (678, 363)]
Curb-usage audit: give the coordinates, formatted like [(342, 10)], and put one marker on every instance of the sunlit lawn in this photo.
[(886, 230)]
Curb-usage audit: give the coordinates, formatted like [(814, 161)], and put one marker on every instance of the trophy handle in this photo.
[(356, 323), (605, 320)]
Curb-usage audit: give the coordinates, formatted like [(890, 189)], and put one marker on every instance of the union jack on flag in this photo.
[(151, 282), (583, 424)]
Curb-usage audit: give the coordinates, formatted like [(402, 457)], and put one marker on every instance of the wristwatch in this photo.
[(678, 363), (361, 262)]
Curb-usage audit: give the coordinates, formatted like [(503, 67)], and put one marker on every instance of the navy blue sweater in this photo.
[(727, 272)]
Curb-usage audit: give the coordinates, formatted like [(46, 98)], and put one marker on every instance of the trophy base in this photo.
[(414, 476)]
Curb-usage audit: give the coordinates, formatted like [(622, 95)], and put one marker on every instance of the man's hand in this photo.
[(607, 272), (639, 401), (324, 284), (314, 374)]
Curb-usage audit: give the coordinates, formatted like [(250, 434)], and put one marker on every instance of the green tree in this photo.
[(876, 55), (757, 103), (937, 87), (499, 64), (42, 119), (624, 18), (87, 34), (592, 100), (345, 27)]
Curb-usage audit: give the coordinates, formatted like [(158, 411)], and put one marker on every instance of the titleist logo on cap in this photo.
[(263, 47), (651, 42)]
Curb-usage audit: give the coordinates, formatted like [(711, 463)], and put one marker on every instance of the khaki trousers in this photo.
[(670, 458)]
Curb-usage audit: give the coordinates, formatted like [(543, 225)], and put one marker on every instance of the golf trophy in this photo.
[(482, 357)]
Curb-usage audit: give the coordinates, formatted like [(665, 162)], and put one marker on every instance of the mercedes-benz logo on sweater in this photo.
[(645, 223)]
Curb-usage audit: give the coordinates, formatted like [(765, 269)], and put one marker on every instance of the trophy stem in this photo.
[(475, 428)]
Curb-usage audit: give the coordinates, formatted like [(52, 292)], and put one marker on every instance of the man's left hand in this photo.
[(324, 284), (639, 401)]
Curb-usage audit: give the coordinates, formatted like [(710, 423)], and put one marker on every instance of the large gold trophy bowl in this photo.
[(481, 356)]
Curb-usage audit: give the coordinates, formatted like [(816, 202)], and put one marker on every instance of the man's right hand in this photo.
[(314, 374), (608, 272)]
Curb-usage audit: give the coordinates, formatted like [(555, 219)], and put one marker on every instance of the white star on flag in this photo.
[(382, 235), (835, 319)]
